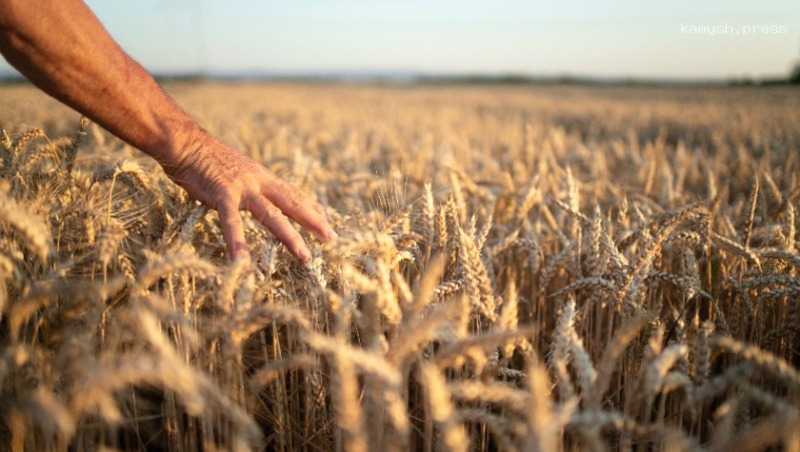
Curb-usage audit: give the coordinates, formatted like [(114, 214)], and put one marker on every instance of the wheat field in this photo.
[(518, 269)]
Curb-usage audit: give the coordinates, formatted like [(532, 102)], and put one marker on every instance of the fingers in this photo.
[(305, 211), (272, 218), (233, 230)]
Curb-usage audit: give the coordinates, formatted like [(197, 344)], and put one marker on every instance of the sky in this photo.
[(624, 38)]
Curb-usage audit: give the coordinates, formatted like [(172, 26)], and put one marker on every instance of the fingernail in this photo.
[(240, 255), (331, 234), (244, 256), (304, 255)]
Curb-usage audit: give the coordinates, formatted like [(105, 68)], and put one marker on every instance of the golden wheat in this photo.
[(641, 241)]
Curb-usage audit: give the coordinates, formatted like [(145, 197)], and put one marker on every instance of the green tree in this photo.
[(794, 76)]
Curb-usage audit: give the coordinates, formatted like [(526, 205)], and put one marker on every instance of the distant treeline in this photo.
[(459, 79)]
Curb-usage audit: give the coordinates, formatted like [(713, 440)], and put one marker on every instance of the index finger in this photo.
[(233, 230), (271, 217)]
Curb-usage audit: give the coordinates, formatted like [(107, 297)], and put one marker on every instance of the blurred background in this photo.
[(739, 41)]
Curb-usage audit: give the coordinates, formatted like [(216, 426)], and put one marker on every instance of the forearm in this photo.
[(64, 50)]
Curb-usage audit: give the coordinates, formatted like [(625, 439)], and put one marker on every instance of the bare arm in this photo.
[(64, 50)]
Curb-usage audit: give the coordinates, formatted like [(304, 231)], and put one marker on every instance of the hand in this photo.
[(226, 180)]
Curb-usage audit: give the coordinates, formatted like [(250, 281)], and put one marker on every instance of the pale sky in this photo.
[(675, 39)]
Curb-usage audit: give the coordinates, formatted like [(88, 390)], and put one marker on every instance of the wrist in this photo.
[(182, 142)]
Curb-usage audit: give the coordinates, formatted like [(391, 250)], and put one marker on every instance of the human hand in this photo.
[(226, 180)]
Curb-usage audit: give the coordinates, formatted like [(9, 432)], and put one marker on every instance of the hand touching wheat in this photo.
[(226, 180), (82, 66)]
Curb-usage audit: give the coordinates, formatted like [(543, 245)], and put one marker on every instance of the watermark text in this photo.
[(733, 29)]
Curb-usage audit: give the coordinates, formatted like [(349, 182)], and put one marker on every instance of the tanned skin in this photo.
[(62, 48)]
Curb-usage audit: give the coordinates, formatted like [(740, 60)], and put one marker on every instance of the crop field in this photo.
[(518, 268)]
